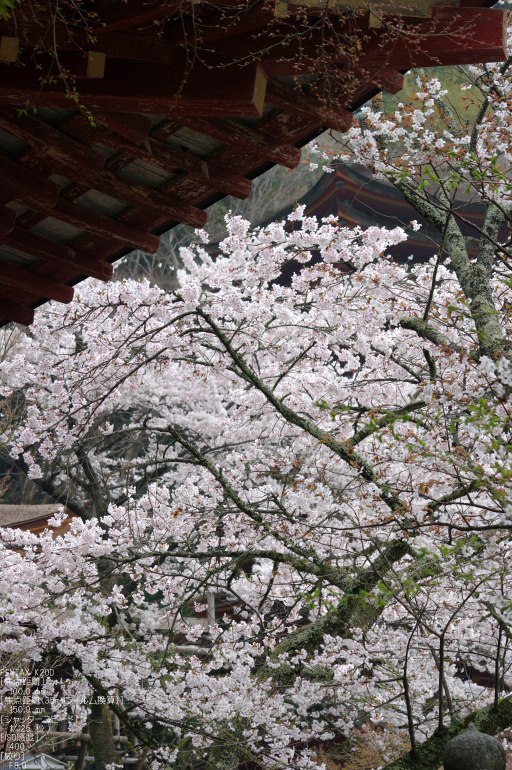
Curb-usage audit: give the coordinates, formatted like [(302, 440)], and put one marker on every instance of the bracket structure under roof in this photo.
[(117, 128)]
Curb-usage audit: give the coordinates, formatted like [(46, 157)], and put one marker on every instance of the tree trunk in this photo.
[(102, 736)]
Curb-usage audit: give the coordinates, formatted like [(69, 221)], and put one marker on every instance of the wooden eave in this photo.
[(32, 518), (77, 196)]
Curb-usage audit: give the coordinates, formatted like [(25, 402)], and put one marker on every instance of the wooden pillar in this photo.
[(210, 603), (79, 764)]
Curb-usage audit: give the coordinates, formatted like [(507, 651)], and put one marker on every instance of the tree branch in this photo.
[(50, 489), (427, 332), (388, 419), (343, 450)]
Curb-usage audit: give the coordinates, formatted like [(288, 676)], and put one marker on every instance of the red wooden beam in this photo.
[(282, 132), (80, 127), (290, 57), (90, 132), (110, 228), (26, 280), (44, 166), (147, 88), (295, 102), (351, 81), (485, 37), (342, 86), (117, 15), (7, 220), (293, 67), (85, 219), (56, 253), (298, 40), (125, 190), (246, 138), (133, 127), (52, 142), (19, 183), (388, 79), (168, 158), (220, 26), (65, 37), (12, 311), (454, 36), (165, 129)]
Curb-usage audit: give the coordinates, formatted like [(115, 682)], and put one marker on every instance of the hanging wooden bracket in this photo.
[(95, 64), (8, 49)]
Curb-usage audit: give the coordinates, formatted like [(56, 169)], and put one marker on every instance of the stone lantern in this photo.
[(473, 750)]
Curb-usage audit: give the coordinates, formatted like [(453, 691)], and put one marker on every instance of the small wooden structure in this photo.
[(32, 518), (153, 110)]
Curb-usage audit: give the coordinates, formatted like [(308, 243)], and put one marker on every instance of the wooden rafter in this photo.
[(134, 128), (85, 132), (7, 220), (124, 190), (61, 148), (20, 314), (283, 133), (161, 155), (118, 15), (259, 143), (49, 251), (134, 88), (108, 228), (167, 158), (295, 102), (27, 280), (385, 78), (26, 186)]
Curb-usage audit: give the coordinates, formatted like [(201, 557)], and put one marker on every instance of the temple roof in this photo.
[(16, 515), (357, 199), (33, 518), (114, 131)]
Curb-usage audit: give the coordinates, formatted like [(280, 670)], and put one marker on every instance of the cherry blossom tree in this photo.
[(334, 456)]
